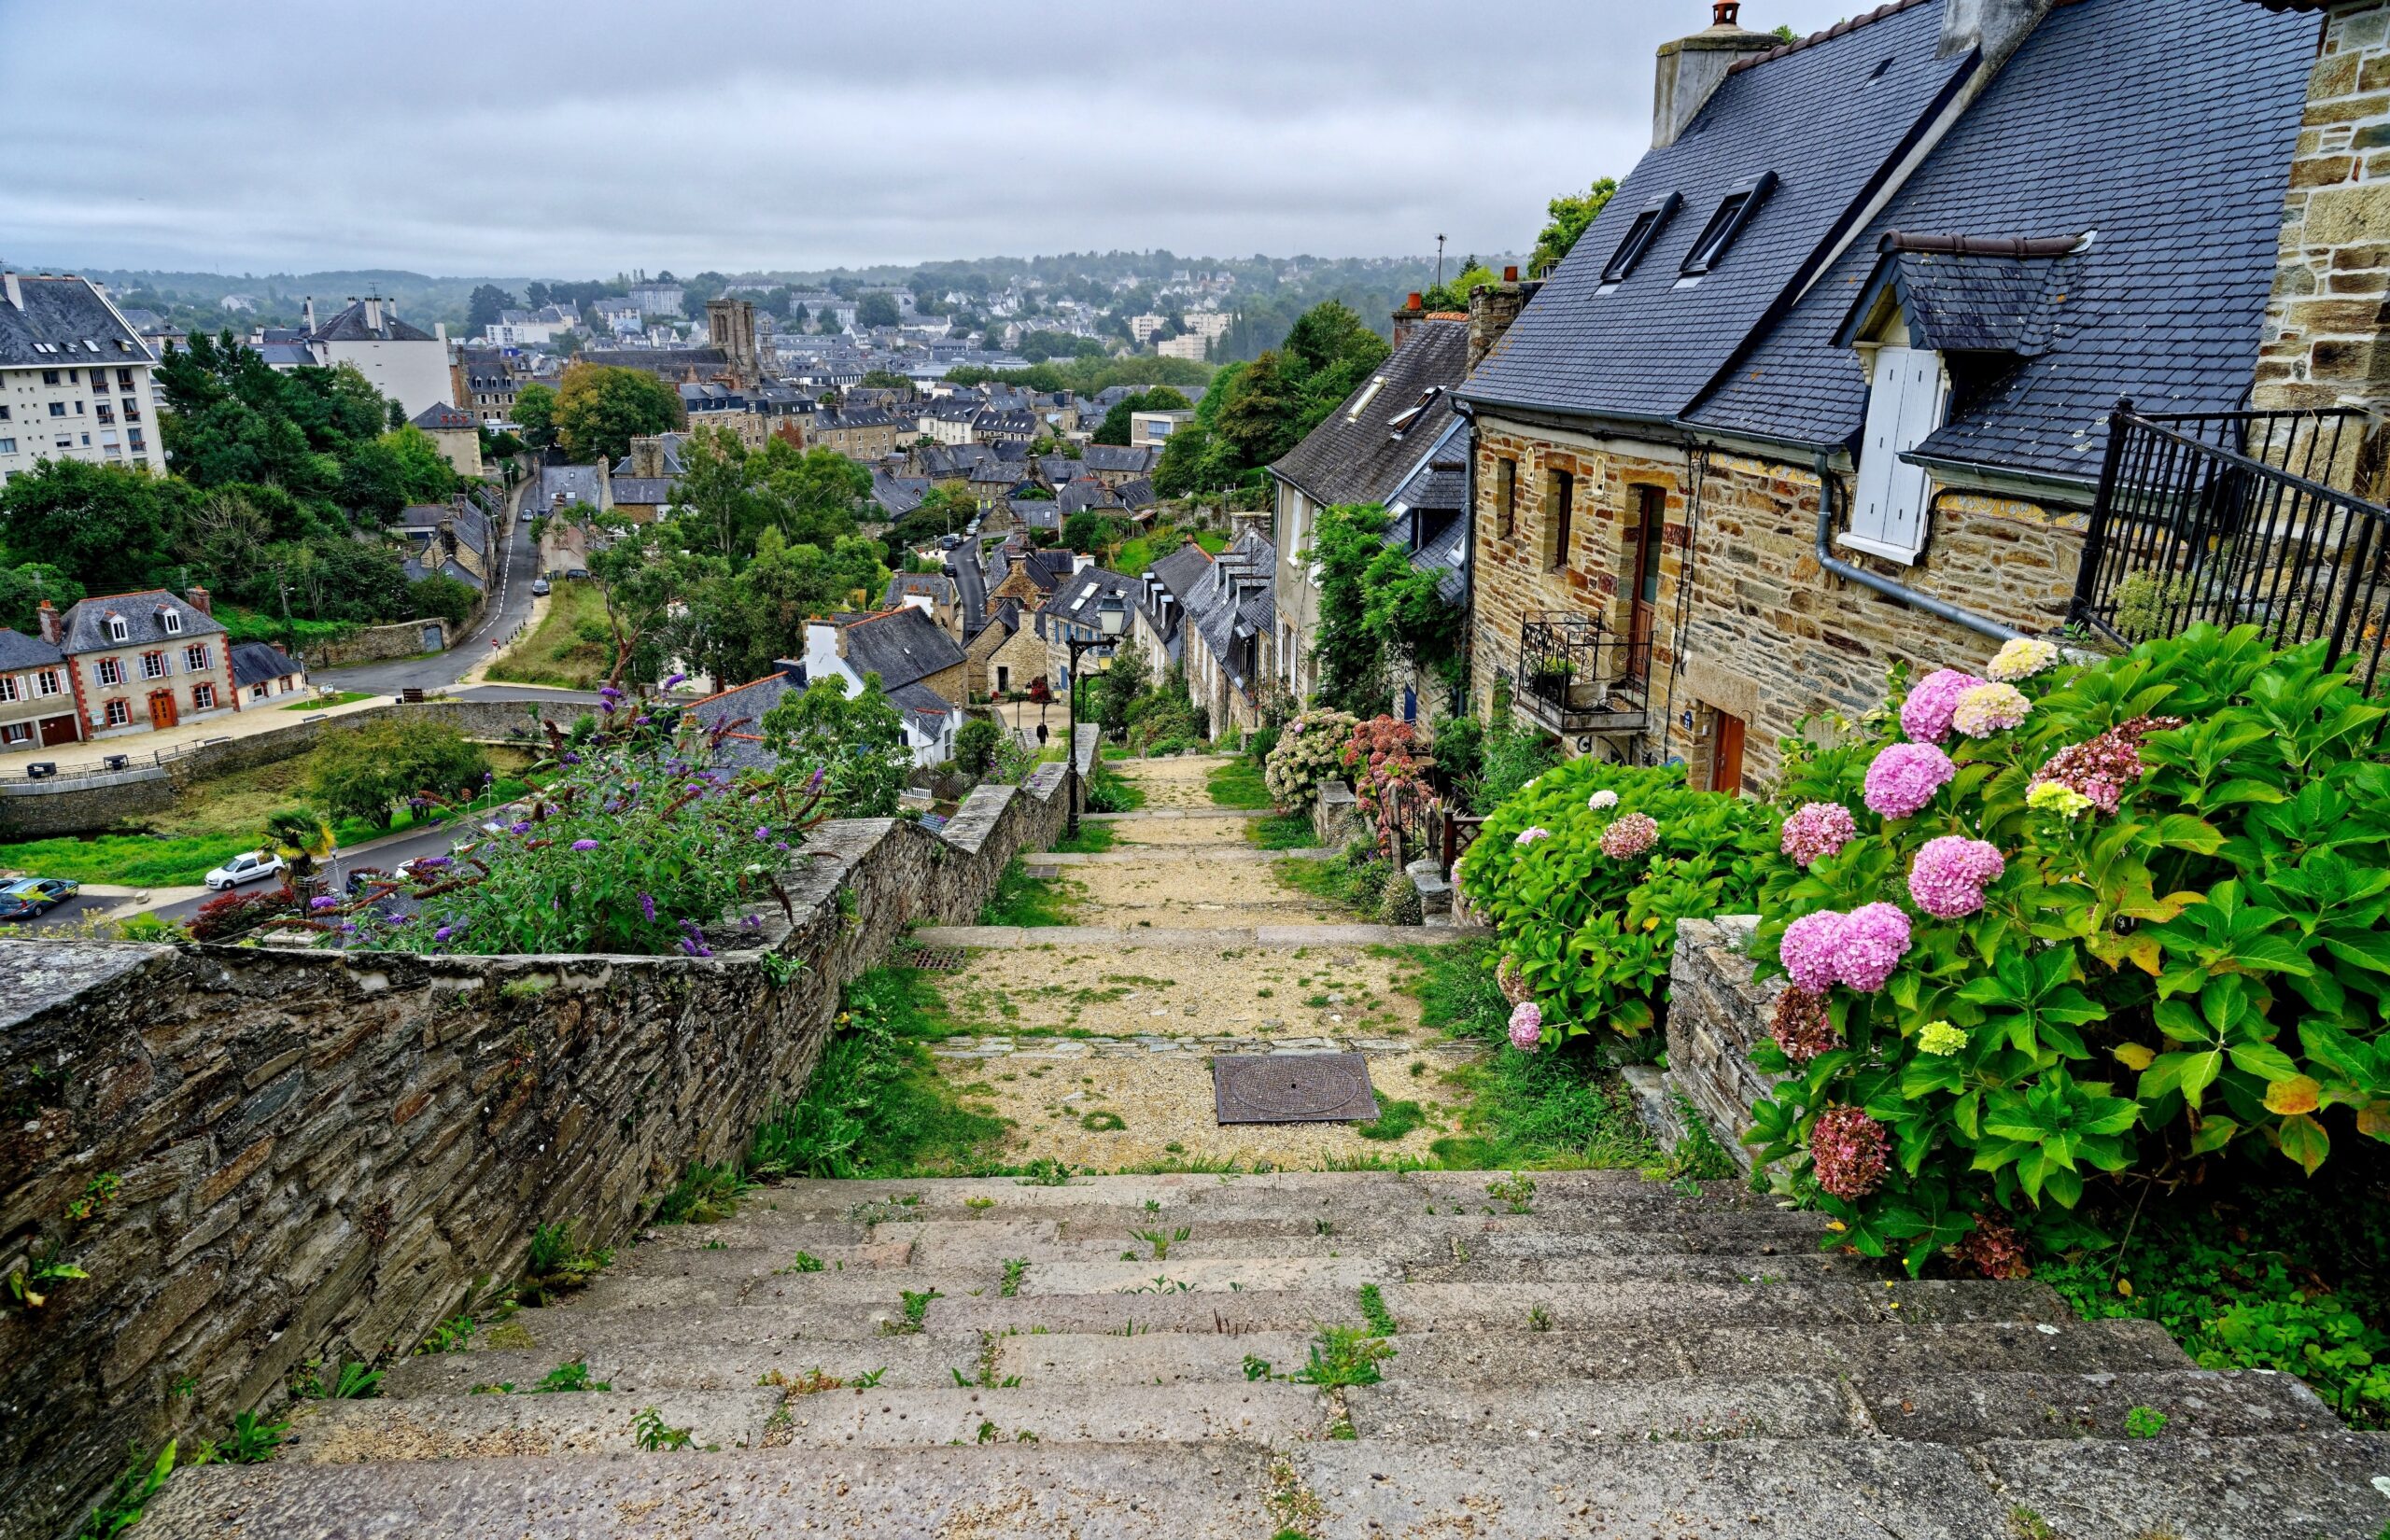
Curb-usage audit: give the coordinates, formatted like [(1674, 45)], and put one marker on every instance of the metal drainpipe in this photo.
[(1827, 485)]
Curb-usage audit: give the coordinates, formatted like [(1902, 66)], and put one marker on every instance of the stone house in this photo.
[(1113, 464), (139, 662), (1214, 617), (919, 667), (1031, 575), (984, 677), (459, 434), (263, 671), (860, 433), (37, 706), (1826, 386), (1069, 614), (1020, 659), (934, 594), (480, 383)]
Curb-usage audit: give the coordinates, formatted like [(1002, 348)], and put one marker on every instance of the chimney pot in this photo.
[(1416, 302), (201, 601), (1728, 12), (1510, 275)]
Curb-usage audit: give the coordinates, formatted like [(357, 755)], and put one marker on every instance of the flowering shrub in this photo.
[(2099, 940), (236, 913), (1817, 829), (1587, 897), (1382, 755), (1308, 752)]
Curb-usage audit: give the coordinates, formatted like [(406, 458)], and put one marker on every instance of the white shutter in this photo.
[(1904, 407)]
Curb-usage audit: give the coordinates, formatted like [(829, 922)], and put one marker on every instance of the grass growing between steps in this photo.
[(1355, 881), (1020, 899), (1239, 784), (1555, 1110), (1093, 839), (1281, 832)]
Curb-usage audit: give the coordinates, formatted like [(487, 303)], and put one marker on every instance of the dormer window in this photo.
[(118, 630), (1640, 236), (173, 622), (1734, 211)]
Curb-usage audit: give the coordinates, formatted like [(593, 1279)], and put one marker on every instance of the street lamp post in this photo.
[(1111, 618)]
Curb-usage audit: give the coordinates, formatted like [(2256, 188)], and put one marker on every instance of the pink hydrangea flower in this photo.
[(1818, 830), (1600, 800), (2102, 768), (1925, 716), (1810, 948), (1905, 777), (1989, 709), (1629, 837), (1873, 939), (1527, 1027), (1949, 874), (1848, 1150), (1528, 836), (1801, 1026)]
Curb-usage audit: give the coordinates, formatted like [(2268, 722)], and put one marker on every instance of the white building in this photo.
[(529, 328), (75, 379), (401, 361), (657, 299)]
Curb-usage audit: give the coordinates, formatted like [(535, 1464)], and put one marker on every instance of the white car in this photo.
[(241, 869)]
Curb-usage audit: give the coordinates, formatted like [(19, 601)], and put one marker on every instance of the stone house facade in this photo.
[(139, 662)]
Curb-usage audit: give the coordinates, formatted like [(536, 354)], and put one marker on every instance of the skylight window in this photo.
[(1367, 397), (1404, 421), (1733, 212), (1640, 236)]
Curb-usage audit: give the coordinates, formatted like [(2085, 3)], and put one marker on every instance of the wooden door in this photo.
[(56, 730), (1725, 752), (1651, 531), (161, 708)]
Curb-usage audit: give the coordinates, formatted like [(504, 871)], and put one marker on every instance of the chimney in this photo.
[(309, 309), (790, 670), (605, 484), (1492, 308), (200, 599), (51, 632), (1692, 67), (15, 290), (1510, 275), (1408, 317), (373, 312), (1993, 26)]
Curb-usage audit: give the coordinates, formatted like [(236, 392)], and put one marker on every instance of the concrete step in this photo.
[(1275, 937), (1158, 1492), (2299, 1487), (661, 1357), (1133, 1414), (466, 1427), (1424, 1249), (1945, 1409), (1642, 1410)]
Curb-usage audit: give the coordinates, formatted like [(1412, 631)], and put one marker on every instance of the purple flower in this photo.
[(1810, 950), (642, 721), (1818, 830), (571, 758), (520, 826), (695, 948), (443, 932), (1527, 1027), (1874, 939), (1905, 777), (609, 692), (585, 844), (606, 706), (1949, 874), (431, 863), (750, 922), (348, 928), (488, 775), (762, 833), (1528, 836), (323, 903), (1925, 716), (647, 906)]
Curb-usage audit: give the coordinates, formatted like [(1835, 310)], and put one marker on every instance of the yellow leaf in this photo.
[(2145, 954), (1836, 1225), (2124, 1287), (2132, 1055), (2292, 1097), (2373, 1120)]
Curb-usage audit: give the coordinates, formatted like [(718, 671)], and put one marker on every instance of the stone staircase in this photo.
[(993, 1358)]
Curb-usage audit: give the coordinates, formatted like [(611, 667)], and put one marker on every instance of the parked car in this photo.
[(241, 869), (28, 896), (539, 585), (577, 574)]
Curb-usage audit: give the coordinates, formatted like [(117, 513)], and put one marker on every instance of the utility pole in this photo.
[(1440, 261)]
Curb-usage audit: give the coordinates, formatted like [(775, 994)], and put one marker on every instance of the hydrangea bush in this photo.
[(1586, 871), (1381, 755), (2073, 922), (1310, 752)]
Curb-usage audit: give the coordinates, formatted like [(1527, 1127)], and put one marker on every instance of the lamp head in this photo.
[(1112, 615)]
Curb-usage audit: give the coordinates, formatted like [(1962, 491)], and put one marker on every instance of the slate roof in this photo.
[(1078, 496), (1225, 610), (348, 326), (1824, 122), (1074, 603), (441, 417), (578, 483), (1058, 468), (901, 646), (1966, 302), (84, 626), (898, 496), (1133, 459), (256, 662), (675, 363), (19, 650), (644, 491), (920, 700), (743, 706), (1036, 512), (69, 315), (2166, 126), (1357, 454), (1136, 492), (935, 586)]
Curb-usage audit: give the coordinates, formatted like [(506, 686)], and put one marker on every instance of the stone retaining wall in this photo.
[(378, 644), (1716, 1012), (38, 809), (320, 1153)]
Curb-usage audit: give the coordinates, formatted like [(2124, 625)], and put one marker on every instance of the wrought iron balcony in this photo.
[(1575, 679), (2230, 518)]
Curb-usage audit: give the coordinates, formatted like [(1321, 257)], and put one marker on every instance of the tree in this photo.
[(481, 310), (1114, 429), (385, 474), (1455, 295), (108, 525), (441, 596), (977, 745), (1257, 423), (878, 310), (1349, 657), (1091, 531), (859, 738), (366, 772), (535, 411), (1116, 690), (23, 587), (599, 410), (1569, 215), (886, 379)]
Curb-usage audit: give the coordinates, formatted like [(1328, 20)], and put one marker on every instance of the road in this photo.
[(518, 565)]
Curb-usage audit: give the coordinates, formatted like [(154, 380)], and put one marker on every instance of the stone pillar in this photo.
[(2327, 339), (1716, 1012), (1492, 308)]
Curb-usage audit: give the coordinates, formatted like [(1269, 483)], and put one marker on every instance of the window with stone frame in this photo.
[(110, 671), (153, 665), (117, 713), (1506, 497), (1559, 519), (47, 682), (202, 697), (196, 658)]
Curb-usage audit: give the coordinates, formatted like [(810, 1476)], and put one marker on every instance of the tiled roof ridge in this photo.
[(1839, 28)]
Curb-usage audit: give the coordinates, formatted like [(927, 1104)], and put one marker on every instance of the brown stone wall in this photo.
[(320, 1153), (375, 643), (1765, 634), (2324, 341), (1716, 1014)]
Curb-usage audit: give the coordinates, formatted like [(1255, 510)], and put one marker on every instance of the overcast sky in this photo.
[(511, 138)]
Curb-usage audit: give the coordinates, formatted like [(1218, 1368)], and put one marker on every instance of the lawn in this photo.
[(1020, 899), (1239, 784), (1092, 839), (322, 702), (219, 819), (571, 650), (1281, 831)]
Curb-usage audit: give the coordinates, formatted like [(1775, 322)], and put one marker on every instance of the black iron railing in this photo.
[(1575, 678), (2231, 518)]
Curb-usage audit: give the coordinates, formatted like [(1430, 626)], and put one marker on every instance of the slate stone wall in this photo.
[(1768, 636), (378, 643), (1715, 1014), (320, 1153)]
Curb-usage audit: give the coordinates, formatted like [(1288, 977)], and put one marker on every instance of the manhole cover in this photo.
[(935, 959), (1293, 1089)]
